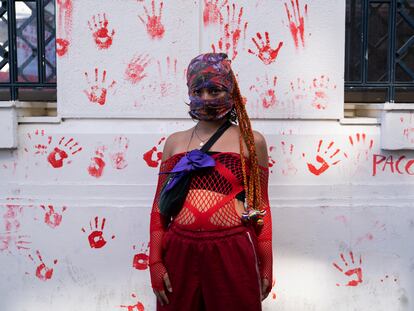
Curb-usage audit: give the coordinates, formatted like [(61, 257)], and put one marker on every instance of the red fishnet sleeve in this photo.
[(264, 237), (157, 230)]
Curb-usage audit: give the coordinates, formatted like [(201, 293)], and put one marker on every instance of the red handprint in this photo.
[(20, 242), (52, 219), (167, 79), (147, 156), (43, 272), (266, 91), (135, 70), (64, 29), (324, 161), (118, 156), (95, 238), (212, 12), (319, 87), (408, 131), (136, 307), (63, 152), (141, 260), (155, 28), (357, 271), (98, 91), (289, 167), (359, 141), (97, 165), (41, 142), (298, 93), (297, 26), (62, 46), (266, 54), (99, 27), (231, 32)]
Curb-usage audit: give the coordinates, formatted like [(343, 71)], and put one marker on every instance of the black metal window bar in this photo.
[(379, 56), (27, 50)]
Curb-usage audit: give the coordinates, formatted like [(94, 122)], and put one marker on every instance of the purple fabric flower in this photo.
[(193, 160)]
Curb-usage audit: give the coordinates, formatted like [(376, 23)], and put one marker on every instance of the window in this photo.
[(28, 51), (379, 56)]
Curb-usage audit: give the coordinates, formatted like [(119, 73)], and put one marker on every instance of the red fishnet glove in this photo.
[(264, 237), (157, 229)]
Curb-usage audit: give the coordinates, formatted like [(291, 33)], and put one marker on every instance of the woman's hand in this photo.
[(265, 288), (161, 295)]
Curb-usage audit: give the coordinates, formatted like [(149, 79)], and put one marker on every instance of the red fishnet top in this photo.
[(210, 205)]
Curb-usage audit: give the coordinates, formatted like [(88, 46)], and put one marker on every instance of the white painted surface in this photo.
[(324, 202), (397, 130), (8, 126)]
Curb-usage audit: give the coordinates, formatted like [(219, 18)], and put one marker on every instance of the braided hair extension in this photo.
[(252, 188)]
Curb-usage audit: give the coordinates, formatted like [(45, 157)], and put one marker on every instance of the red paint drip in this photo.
[(296, 22), (64, 21)]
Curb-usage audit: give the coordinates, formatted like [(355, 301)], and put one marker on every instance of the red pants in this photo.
[(212, 270)]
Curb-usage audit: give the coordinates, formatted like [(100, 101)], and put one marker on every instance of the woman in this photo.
[(208, 258)]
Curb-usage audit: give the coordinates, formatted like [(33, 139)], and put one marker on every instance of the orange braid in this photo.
[(252, 188)]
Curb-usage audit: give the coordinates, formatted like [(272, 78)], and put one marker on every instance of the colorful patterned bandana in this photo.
[(210, 70)]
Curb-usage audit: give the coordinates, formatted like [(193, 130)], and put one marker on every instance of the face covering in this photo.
[(211, 70)]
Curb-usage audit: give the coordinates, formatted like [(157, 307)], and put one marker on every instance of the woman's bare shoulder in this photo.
[(175, 141), (261, 148)]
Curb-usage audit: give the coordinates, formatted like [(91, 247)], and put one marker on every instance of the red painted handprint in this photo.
[(147, 156), (289, 167), (266, 91), (320, 88), (64, 29), (98, 90), (62, 46), (52, 218), (43, 272), (232, 31), (102, 36), (63, 151), (169, 78), (324, 160), (41, 142), (296, 22), (95, 238), (362, 146), (118, 155), (136, 307), (212, 12), (266, 53), (141, 259), (97, 165), (298, 93), (408, 130), (135, 70), (155, 28), (355, 270)]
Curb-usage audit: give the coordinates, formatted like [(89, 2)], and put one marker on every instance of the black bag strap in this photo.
[(216, 136)]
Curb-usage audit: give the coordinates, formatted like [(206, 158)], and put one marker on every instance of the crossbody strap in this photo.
[(216, 136)]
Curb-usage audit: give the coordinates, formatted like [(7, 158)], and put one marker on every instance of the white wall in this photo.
[(333, 191)]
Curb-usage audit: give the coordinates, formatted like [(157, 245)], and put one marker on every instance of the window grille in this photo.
[(379, 56), (27, 50)]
